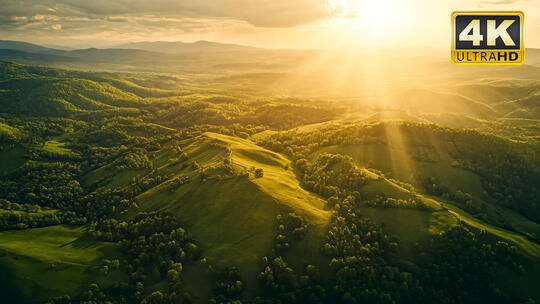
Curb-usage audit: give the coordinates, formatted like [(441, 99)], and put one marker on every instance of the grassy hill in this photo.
[(47, 262), (403, 155), (400, 152), (446, 211), (228, 209), (421, 101), (51, 92)]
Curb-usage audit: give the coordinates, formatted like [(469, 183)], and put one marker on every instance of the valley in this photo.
[(133, 176)]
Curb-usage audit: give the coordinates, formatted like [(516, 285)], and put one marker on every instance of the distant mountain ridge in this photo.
[(137, 48), (131, 53), (181, 47), (171, 47), (15, 55), (23, 46)]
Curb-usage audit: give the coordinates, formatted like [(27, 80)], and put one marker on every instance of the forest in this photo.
[(135, 187)]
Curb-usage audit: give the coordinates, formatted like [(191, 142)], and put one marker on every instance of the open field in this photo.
[(43, 262)]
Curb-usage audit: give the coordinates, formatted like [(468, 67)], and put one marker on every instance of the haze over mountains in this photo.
[(203, 56), (313, 73), (182, 47), (154, 47)]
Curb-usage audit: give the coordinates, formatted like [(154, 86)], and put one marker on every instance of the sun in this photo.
[(368, 19)]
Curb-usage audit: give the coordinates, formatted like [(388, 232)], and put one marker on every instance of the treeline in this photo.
[(332, 175), (357, 266), (363, 266), (52, 184), (14, 216), (135, 159), (509, 170), (389, 202), (155, 248), (281, 282), (286, 116), (336, 176), (461, 266)]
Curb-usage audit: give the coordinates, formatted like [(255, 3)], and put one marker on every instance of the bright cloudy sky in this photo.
[(264, 23)]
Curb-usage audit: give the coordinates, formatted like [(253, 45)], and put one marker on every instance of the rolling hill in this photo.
[(217, 187), (47, 262), (229, 210), (421, 101)]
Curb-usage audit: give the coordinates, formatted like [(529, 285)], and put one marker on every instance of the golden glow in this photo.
[(368, 21), (281, 24)]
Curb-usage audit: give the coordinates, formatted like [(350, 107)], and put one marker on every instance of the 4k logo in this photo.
[(487, 38)]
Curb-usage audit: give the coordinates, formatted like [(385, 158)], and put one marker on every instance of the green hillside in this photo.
[(53, 97), (217, 187), (240, 227), (47, 262), (421, 101)]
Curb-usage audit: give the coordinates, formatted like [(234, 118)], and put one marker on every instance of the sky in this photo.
[(278, 24)]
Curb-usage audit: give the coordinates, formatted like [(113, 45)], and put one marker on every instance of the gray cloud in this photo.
[(103, 23), (117, 19), (262, 13)]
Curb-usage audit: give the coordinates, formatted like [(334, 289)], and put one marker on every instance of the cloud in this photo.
[(261, 13), (38, 17), (19, 18), (103, 22), (117, 19), (341, 9)]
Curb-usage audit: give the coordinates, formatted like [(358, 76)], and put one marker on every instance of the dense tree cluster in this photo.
[(258, 172), (389, 202), (286, 116), (333, 175), (135, 159), (46, 184), (228, 288), (291, 228), (22, 216), (281, 282), (221, 171), (358, 259), (508, 170), (469, 277), (456, 266), (360, 263), (156, 248)]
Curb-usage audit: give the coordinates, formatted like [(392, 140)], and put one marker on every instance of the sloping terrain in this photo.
[(413, 159), (183, 178), (46, 262), (33, 94), (226, 207), (421, 101)]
